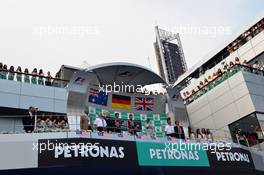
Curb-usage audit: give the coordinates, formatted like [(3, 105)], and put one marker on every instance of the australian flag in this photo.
[(144, 103), (98, 97)]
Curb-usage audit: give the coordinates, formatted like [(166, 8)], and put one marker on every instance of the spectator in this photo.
[(245, 63), (237, 61), (11, 73), (209, 78), (65, 118), (169, 129), (214, 76), (55, 82), (219, 73), (225, 69), (55, 123), (100, 122), (209, 135), (149, 128), (48, 79), (187, 93), (184, 95), (256, 65), (179, 132), (19, 74), (193, 92), (41, 123), (259, 134), (26, 76), (206, 81), (1, 71), (191, 133), (49, 123), (231, 64), (230, 49), (203, 131), (131, 125), (241, 138), (34, 74), (29, 120), (5, 71), (84, 122), (117, 123), (63, 124), (109, 122), (40, 78), (199, 134)]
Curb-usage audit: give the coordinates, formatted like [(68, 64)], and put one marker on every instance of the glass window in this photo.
[(260, 130), (248, 131)]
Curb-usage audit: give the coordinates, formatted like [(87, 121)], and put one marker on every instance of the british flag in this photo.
[(144, 103)]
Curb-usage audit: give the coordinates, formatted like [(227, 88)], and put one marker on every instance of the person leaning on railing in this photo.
[(55, 82), (34, 74), (48, 79), (19, 74), (11, 73), (1, 71), (40, 77), (4, 71), (26, 76)]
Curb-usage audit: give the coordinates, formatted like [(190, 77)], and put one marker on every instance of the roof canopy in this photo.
[(125, 74)]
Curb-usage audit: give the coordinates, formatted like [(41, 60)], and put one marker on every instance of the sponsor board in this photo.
[(83, 151), (160, 154), (228, 158)]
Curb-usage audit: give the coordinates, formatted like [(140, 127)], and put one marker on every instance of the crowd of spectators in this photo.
[(219, 76), (35, 77), (48, 123), (246, 36), (33, 122), (189, 96), (177, 131)]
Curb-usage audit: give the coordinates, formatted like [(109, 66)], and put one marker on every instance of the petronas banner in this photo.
[(170, 154)]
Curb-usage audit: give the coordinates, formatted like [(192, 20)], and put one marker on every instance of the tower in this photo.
[(169, 54)]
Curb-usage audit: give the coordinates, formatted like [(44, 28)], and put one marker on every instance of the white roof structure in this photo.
[(125, 73), (120, 73)]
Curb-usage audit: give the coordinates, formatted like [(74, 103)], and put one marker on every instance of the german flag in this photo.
[(120, 101)]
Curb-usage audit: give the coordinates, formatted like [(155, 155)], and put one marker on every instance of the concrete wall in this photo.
[(231, 100), (15, 94)]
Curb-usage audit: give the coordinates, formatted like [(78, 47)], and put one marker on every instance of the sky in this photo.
[(48, 33)]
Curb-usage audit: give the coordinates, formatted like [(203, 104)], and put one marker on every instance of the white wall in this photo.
[(15, 94), (238, 96)]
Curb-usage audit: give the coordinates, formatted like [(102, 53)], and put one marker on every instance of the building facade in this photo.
[(169, 54), (225, 92)]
